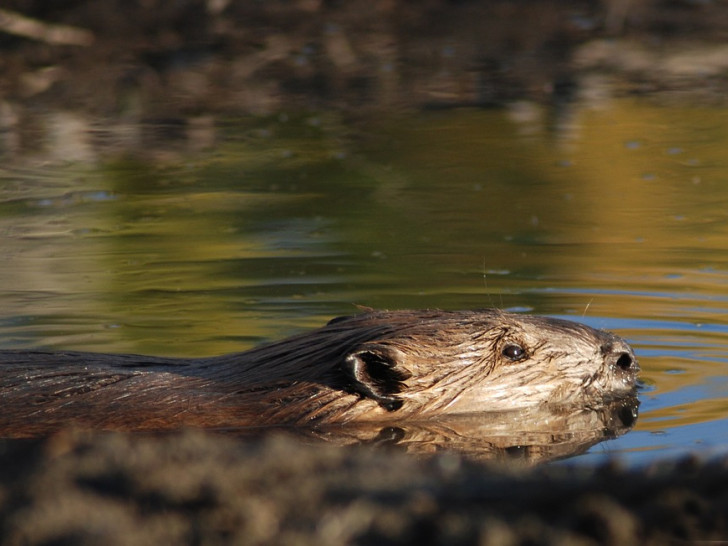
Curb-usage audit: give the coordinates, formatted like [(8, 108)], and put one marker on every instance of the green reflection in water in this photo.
[(618, 210)]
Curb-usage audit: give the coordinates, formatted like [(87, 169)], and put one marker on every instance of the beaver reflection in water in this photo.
[(377, 366)]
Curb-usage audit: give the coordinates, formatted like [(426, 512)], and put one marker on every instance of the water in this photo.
[(613, 214)]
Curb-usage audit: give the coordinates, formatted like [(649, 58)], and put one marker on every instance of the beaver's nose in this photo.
[(626, 362), (619, 355)]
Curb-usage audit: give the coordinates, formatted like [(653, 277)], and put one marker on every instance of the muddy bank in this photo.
[(195, 488)]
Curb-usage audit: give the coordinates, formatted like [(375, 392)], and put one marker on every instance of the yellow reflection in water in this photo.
[(615, 210), (610, 208)]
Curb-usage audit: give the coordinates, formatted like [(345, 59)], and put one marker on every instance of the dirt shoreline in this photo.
[(201, 488)]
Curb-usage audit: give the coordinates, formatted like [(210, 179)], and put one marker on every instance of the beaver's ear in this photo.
[(336, 320), (376, 371)]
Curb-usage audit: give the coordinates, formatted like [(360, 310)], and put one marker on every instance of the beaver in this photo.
[(378, 366)]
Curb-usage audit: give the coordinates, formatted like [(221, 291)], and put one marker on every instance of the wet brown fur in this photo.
[(377, 366)]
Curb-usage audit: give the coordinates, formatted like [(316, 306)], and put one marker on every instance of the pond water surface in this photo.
[(614, 215)]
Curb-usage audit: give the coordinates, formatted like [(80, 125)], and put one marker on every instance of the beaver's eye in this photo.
[(514, 352)]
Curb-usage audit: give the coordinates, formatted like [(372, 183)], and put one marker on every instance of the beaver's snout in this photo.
[(621, 360), (627, 363)]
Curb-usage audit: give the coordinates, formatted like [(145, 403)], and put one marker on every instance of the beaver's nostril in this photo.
[(625, 362)]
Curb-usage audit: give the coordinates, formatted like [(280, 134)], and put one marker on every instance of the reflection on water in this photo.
[(543, 434), (616, 214)]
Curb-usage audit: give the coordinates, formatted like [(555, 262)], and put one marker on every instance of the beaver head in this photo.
[(475, 361), (411, 364)]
